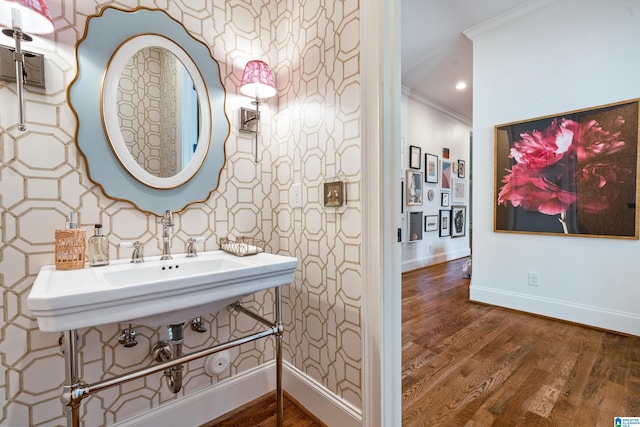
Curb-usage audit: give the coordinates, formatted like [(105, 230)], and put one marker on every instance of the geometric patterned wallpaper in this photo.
[(148, 100), (310, 131)]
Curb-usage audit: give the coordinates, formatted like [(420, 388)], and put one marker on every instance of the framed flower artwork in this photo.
[(572, 173)]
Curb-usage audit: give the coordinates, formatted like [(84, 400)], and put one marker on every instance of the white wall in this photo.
[(566, 55), (432, 128)]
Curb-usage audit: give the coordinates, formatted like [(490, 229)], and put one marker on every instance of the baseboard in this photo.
[(610, 320), (325, 405), (212, 402), (428, 260)]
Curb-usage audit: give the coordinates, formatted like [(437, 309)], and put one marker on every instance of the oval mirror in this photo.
[(147, 155), (158, 132)]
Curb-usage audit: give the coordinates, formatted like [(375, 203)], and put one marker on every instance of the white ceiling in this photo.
[(435, 53)]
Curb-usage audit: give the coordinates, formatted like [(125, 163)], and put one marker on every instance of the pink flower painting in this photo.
[(578, 164)]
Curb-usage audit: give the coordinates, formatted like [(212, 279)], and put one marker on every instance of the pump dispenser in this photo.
[(98, 248)]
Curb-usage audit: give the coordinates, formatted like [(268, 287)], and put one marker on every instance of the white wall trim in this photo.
[(512, 15), (436, 106), (212, 402), (427, 260), (381, 317), (611, 320), (328, 407)]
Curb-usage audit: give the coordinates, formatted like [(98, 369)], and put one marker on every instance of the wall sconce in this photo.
[(257, 82), (22, 17)]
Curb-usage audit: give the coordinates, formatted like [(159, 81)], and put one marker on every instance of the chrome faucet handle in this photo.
[(167, 219), (136, 255), (191, 247)]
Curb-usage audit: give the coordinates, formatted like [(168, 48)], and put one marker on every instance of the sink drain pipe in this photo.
[(165, 351)]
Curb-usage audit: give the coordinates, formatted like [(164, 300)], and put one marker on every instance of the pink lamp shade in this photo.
[(34, 16), (257, 80)]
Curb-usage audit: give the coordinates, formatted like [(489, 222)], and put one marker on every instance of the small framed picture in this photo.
[(445, 153), (334, 194), (414, 188), (461, 170), (445, 221), (415, 153), (444, 199), (430, 168), (415, 226), (458, 221), (431, 223), (445, 174), (458, 190)]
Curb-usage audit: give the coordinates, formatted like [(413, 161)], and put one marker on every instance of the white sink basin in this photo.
[(152, 293)]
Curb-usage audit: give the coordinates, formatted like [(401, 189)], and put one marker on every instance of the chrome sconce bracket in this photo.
[(248, 119), (33, 67)]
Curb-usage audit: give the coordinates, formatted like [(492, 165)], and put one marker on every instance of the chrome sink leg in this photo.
[(72, 382), (280, 329)]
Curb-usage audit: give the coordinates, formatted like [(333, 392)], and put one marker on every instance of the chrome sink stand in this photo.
[(75, 389)]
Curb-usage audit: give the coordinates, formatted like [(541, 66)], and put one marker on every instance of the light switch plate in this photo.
[(296, 195)]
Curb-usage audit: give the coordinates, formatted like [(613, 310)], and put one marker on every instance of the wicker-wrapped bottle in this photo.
[(70, 246)]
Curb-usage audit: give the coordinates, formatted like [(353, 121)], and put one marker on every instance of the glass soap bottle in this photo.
[(98, 248)]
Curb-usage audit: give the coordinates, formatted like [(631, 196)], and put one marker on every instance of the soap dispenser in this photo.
[(98, 248)]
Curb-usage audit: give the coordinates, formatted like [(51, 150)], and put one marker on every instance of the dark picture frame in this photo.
[(574, 186), (445, 199), (445, 223), (458, 221), (431, 168), (415, 154), (431, 223), (461, 169)]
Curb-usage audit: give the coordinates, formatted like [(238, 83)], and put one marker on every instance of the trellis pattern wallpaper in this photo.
[(147, 105), (310, 132)]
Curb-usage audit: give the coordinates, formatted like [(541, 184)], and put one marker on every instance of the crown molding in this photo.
[(436, 106), (513, 15)]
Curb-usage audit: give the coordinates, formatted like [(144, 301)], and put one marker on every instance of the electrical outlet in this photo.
[(534, 279)]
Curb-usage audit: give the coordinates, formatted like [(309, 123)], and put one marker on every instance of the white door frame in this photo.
[(382, 293)]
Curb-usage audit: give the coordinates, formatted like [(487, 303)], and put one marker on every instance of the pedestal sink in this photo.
[(152, 293)]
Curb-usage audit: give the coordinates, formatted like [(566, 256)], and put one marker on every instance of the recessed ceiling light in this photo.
[(461, 85)]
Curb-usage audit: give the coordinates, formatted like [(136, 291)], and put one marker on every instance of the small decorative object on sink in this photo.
[(243, 246), (98, 248), (70, 245)]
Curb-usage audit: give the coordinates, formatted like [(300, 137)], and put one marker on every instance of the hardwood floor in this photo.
[(467, 364), (262, 413)]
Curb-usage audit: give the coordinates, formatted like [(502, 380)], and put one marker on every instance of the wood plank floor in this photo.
[(467, 364), (262, 413)]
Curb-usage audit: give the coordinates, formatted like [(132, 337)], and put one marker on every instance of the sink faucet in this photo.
[(166, 221)]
